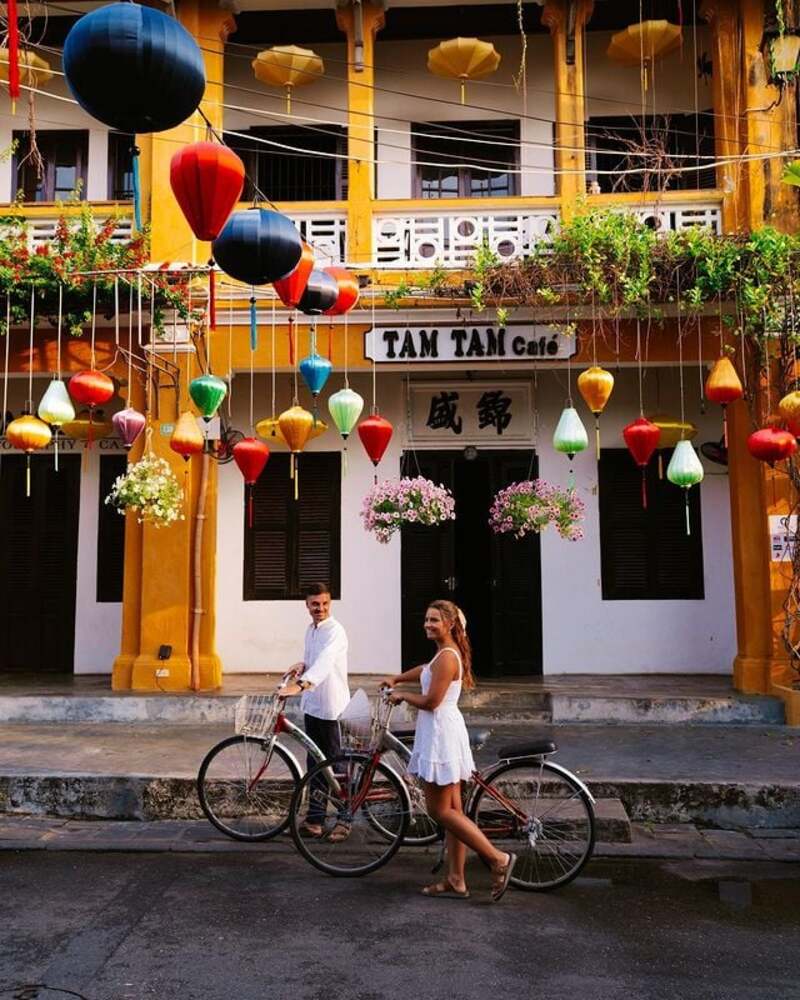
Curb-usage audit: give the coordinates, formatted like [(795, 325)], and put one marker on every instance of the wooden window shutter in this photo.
[(646, 554), (110, 534), (294, 543)]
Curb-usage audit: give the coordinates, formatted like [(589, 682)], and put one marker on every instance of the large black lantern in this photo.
[(134, 68), (257, 246), (322, 291)]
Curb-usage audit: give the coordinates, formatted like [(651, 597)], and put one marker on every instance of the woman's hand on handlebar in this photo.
[(390, 682)]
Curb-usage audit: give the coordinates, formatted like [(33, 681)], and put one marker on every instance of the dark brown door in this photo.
[(495, 580), (38, 563)]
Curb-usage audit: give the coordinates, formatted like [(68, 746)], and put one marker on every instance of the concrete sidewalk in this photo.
[(728, 777)]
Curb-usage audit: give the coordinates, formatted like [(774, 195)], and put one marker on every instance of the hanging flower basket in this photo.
[(395, 502), (532, 505), (149, 488)]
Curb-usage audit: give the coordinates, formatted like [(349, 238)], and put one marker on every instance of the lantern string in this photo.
[(700, 365), (30, 348), (139, 330), (374, 369), (272, 342), (346, 338), (639, 361), (252, 381), (94, 318), (253, 321), (5, 371), (230, 356), (293, 338), (130, 341), (116, 311), (594, 331), (58, 328), (680, 355)]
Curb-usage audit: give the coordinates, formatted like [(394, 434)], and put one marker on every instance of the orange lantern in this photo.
[(29, 434), (789, 409), (724, 386), (186, 438), (596, 385)]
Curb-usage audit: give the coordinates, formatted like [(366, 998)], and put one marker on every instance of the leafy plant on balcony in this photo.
[(83, 261)]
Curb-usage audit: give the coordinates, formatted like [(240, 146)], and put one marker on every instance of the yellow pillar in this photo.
[(567, 21), (361, 22), (727, 94), (159, 598)]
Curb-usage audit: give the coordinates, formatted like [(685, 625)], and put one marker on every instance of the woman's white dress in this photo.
[(442, 754)]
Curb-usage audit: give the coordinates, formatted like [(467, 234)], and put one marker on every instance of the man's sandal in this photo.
[(444, 890), (311, 831), (339, 833), (501, 877)]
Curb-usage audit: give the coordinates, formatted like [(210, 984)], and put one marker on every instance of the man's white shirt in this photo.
[(325, 657)]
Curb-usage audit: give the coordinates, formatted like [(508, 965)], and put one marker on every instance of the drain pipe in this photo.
[(358, 36), (197, 610)]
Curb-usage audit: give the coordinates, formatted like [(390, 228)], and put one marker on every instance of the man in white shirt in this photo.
[(322, 678)]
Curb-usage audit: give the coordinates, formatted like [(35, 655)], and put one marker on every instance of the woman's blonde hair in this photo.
[(455, 621)]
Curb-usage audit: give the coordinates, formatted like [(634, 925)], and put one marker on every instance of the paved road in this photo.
[(234, 927)]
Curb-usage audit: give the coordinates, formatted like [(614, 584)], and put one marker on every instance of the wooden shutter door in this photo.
[(267, 558), (110, 533), (318, 522)]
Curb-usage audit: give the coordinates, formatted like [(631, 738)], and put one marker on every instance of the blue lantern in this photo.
[(258, 247), (134, 68), (315, 371), (322, 291)]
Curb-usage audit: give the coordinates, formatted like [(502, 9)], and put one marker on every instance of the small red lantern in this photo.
[(348, 291), (771, 445), (642, 437), (290, 289), (375, 433), (91, 388), (251, 456), (207, 180)]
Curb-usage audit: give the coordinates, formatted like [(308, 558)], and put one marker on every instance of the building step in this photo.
[(671, 709), (612, 823)]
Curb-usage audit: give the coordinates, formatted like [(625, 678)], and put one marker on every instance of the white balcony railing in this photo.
[(326, 232), (43, 230), (672, 217), (451, 239)]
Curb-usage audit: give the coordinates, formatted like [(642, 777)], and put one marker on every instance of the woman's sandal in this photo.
[(311, 831), (339, 833), (444, 890), (501, 877)]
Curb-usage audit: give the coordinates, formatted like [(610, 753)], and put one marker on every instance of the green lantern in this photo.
[(345, 407), (207, 392), (570, 437), (685, 470)]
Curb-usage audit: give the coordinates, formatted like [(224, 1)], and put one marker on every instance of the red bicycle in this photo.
[(524, 803)]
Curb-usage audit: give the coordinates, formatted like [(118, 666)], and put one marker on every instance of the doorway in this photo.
[(38, 563), (494, 579)]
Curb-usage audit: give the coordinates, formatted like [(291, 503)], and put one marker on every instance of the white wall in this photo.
[(97, 626), (581, 632)]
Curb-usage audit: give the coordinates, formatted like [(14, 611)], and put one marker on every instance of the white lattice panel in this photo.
[(672, 218), (41, 231), (327, 234), (452, 240)]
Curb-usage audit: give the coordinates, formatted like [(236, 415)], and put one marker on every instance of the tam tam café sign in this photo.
[(466, 343)]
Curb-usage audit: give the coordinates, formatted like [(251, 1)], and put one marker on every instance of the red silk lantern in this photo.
[(91, 388), (375, 433), (207, 180), (642, 437), (348, 290), (290, 289), (772, 445), (251, 456)]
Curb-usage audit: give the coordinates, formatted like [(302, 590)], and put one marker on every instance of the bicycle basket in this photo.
[(255, 714), (361, 731)]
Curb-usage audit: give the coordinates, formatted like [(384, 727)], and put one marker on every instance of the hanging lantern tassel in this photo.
[(291, 341), (137, 189), (13, 55), (253, 324), (660, 465), (212, 297), (330, 341)]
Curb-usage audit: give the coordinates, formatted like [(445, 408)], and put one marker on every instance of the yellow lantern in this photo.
[(29, 434), (296, 425), (596, 385), (33, 70), (672, 429), (78, 429), (463, 59), (641, 44), (287, 66), (269, 429), (789, 409)]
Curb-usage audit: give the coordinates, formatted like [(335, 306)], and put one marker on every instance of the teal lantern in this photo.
[(207, 392), (315, 371), (570, 436), (685, 470), (345, 407)]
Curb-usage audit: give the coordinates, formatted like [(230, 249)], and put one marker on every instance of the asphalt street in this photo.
[(257, 926)]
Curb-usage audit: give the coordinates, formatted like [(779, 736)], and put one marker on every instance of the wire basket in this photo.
[(255, 714), (366, 733)]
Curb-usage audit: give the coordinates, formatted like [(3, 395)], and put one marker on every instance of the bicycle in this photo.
[(524, 803), (246, 782)]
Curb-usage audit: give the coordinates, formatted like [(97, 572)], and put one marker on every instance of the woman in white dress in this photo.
[(442, 757)]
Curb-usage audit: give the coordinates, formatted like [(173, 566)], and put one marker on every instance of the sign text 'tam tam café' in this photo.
[(469, 342)]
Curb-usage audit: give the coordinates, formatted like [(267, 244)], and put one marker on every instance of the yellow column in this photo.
[(723, 19), (362, 22), (159, 599), (769, 127), (567, 20)]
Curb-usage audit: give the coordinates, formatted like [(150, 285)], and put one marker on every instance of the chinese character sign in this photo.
[(474, 412)]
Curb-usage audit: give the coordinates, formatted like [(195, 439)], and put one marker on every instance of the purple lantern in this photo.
[(129, 424)]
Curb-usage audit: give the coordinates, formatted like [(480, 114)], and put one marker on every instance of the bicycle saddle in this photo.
[(527, 748), (478, 738)]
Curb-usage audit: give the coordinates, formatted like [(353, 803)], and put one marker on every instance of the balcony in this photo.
[(42, 219)]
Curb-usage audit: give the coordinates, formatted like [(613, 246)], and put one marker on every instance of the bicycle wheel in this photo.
[(541, 814), (351, 792), (246, 789), (422, 830)]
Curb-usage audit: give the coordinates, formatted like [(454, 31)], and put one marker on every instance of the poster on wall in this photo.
[(496, 414), (782, 529), (467, 343)]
